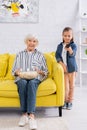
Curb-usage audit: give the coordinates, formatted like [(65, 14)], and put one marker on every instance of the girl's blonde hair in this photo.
[(30, 36)]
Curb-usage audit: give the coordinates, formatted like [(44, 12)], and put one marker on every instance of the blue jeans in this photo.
[(27, 93)]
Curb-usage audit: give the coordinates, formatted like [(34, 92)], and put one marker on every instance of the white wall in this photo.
[(54, 15)]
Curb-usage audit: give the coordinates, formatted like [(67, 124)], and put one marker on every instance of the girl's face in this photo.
[(67, 36)]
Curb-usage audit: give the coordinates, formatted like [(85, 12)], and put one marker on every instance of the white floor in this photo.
[(75, 118)]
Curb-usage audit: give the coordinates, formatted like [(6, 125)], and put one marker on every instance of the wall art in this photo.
[(26, 11)]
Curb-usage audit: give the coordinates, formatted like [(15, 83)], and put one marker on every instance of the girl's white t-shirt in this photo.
[(64, 54)]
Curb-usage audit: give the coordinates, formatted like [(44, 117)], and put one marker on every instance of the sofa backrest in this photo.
[(3, 64), (10, 65), (9, 60), (49, 61)]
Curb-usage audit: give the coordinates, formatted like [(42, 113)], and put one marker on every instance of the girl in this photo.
[(65, 55)]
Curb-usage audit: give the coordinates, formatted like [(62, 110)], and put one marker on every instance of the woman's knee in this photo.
[(33, 84), (21, 84)]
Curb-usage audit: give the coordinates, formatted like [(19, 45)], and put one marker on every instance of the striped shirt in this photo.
[(28, 61)]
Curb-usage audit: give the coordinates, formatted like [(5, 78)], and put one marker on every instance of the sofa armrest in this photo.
[(58, 77)]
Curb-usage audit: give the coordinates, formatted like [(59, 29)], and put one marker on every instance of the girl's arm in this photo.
[(72, 50), (59, 57)]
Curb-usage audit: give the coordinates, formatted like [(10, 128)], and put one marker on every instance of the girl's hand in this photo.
[(69, 49), (64, 66)]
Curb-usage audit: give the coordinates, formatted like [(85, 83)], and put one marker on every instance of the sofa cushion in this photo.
[(47, 87), (3, 64), (9, 89), (10, 65)]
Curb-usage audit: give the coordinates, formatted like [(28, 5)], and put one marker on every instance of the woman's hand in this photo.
[(17, 72), (39, 71)]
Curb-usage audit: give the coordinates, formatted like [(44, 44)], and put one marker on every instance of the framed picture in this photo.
[(19, 11)]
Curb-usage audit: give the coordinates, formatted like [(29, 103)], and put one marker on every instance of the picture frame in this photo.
[(19, 11)]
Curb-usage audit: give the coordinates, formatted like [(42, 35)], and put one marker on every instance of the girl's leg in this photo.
[(66, 80), (71, 86)]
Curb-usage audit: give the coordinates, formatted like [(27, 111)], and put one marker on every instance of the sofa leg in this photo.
[(60, 111)]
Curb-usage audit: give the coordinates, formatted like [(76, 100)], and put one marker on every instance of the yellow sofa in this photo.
[(50, 91)]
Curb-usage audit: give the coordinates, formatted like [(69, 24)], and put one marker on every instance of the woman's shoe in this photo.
[(32, 123), (23, 120)]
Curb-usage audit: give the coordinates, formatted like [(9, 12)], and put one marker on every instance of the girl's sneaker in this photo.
[(65, 105), (69, 105)]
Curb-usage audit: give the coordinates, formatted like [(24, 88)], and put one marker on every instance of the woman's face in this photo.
[(31, 44), (67, 36)]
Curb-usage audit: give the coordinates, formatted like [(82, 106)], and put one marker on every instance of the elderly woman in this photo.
[(27, 60)]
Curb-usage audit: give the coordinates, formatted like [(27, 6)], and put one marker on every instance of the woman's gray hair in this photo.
[(30, 36)]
